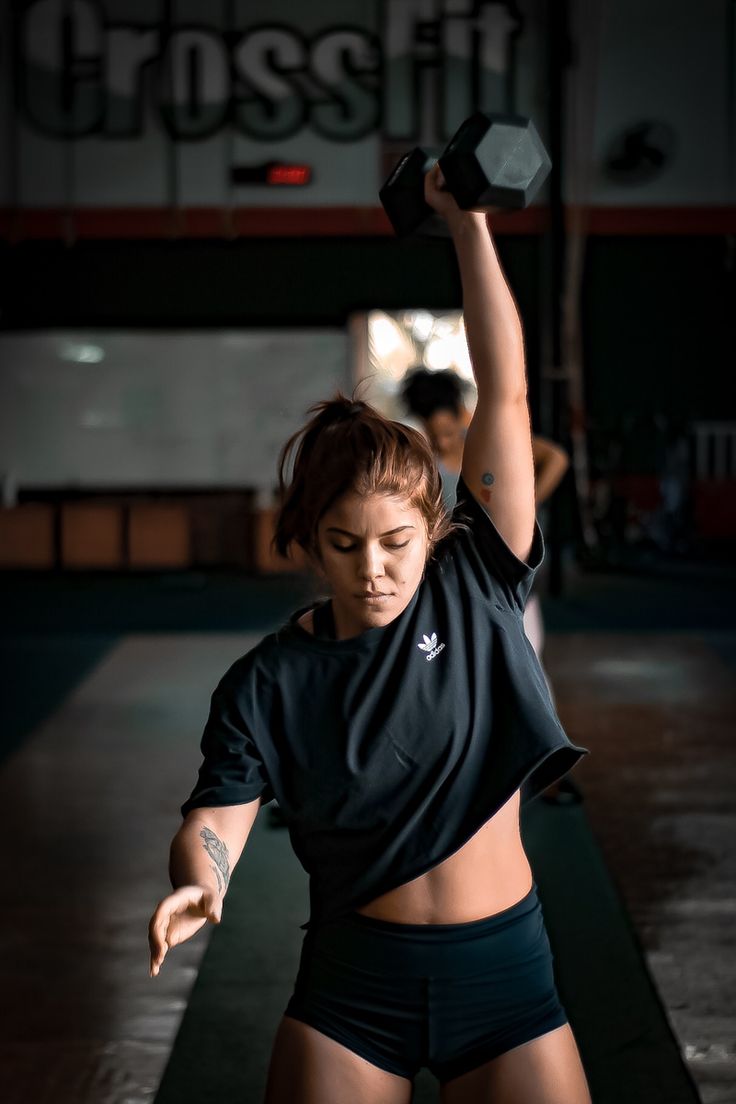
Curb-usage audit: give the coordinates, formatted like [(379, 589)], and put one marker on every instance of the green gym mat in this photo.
[(221, 1051)]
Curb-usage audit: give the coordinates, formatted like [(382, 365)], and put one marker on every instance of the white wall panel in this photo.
[(158, 408)]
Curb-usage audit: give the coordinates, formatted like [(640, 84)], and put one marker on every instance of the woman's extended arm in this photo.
[(203, 855), (497, 460)]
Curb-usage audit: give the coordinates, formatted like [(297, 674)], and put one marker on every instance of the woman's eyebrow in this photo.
[(347, 533)]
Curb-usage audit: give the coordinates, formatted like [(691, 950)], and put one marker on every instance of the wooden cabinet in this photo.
[(27, 537), (129, 529)]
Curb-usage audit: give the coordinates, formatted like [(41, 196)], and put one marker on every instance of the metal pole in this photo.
[(558, 59)]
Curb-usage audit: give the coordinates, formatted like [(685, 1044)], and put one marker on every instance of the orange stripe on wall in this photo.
[(274, 222)]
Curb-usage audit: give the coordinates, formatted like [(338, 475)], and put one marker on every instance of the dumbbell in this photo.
[(491, 161)]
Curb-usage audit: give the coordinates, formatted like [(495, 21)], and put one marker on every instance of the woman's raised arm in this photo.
[(204, 853), (497, 460)]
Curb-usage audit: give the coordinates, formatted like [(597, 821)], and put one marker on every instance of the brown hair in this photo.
[(349, 446)]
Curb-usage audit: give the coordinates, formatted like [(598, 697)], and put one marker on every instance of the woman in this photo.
[(398, 760)]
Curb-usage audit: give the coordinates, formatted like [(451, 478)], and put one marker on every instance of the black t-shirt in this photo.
[(389, 750)]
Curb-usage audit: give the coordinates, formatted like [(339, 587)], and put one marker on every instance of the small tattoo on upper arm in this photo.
[(487, 479), (218, 852)]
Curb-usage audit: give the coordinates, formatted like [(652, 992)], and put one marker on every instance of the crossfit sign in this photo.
[(416, 66)]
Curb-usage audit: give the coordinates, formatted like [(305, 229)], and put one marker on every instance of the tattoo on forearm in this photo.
[(217, 875), (218, 852), (487, 479)]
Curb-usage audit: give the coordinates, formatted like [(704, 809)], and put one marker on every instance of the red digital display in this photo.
[(288, 174)]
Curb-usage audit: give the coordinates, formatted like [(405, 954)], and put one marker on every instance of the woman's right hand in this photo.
[(441, 200), (178, 917)]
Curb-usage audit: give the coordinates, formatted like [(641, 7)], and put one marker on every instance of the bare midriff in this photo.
[(488, 874)]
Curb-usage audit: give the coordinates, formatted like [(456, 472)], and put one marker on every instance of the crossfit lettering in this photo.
[(82, 73)]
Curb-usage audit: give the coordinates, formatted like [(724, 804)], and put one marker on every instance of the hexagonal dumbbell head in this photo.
[(495, 161), (403, 194)]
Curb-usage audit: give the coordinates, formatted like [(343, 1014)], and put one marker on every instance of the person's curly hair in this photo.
[(424, 392)]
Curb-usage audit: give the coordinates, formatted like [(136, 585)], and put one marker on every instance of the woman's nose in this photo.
[(371, 564)]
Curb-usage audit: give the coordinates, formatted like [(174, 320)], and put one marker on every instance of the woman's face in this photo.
[(446, 432), (372, 550)]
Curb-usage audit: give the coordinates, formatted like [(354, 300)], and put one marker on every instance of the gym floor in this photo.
[(104, 706)]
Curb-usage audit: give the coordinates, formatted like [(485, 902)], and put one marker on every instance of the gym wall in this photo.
[(170, 409), (165, 112), (144, 229)]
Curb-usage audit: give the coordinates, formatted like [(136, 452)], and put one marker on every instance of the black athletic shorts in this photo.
[(446, 996)]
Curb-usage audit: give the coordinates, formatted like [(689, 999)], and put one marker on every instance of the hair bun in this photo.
[(341, 409)]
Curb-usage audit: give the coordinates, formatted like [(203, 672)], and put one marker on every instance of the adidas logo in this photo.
[(429, 644)]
